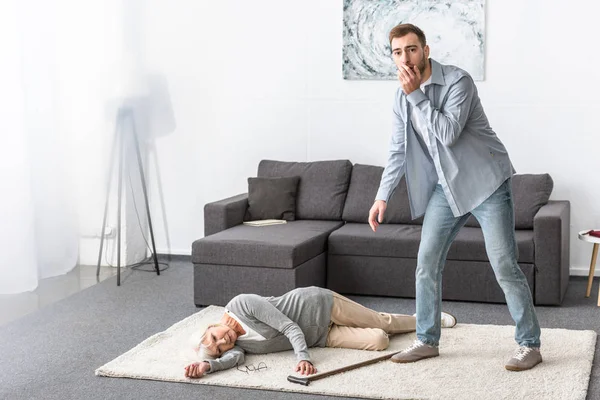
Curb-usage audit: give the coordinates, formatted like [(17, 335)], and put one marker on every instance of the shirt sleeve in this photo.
[(446, 125), (265, 312), (229, 359), (394, 168)]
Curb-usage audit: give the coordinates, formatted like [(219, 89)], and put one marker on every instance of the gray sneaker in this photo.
[(415, 352), (525, 358)]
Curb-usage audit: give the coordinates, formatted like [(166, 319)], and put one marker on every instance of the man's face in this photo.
[(407, 50), (218, 339)]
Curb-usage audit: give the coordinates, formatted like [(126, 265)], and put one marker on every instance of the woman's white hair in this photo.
[(204, 355)]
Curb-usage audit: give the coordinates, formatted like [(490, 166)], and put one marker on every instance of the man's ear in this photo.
[(426, 51)]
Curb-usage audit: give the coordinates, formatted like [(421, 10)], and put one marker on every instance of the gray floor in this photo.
[(52, 353), (50, 290)]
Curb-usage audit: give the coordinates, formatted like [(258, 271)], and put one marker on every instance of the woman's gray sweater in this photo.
[(296, 320)]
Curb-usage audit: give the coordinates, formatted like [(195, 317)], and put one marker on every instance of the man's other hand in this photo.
[(376, 214)]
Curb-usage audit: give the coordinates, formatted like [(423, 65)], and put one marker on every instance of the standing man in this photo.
[(455, 166)]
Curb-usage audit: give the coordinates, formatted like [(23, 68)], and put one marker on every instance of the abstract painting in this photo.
[(454, 31)]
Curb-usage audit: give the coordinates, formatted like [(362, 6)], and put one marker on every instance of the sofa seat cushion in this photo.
[(390, 240), (402, 241), (277, 246), (470, 246)]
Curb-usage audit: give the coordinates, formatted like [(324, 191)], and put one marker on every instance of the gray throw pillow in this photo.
[(272, 198)]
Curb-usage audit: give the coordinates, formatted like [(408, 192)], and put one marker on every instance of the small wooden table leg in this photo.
[(594, 257), (592, 268)]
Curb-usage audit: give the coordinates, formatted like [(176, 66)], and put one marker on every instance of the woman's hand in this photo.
[(306, 368), (197, 370)]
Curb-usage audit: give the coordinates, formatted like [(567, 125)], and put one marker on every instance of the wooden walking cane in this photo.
[(308, 379)]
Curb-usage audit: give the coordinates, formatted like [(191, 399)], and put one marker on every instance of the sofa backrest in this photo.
[(322, 188), (530, 193), (364, 184)]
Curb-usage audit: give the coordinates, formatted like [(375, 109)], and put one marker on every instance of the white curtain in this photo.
[(65, 67), (38, 215)]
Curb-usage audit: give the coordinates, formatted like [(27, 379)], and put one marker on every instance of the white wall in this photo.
[(262, 79)]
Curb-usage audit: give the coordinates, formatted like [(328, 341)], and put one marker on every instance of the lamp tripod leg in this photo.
[(145, 191)]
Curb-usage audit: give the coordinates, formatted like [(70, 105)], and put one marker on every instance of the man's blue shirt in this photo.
[(459, 149)]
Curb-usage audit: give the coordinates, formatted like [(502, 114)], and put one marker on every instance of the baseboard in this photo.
[(583, 271), (174, 257), (174, 252)]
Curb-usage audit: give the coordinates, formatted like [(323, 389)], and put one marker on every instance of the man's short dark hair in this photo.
[(404, 29)]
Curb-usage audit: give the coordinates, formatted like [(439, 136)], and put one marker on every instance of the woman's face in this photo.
[(218, 339)]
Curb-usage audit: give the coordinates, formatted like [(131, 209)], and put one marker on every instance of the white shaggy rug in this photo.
[(470, 365)]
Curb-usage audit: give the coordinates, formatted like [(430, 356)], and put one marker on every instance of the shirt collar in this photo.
[(437, 76)]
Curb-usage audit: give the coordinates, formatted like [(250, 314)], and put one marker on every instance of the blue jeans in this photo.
[(440, 227)]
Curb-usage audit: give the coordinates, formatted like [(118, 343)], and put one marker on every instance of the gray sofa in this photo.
[(330, 244)]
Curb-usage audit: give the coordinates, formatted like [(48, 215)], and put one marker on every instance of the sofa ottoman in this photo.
[(234, 258)]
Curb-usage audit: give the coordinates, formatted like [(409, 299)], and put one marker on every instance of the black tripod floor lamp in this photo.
[(124, 115)]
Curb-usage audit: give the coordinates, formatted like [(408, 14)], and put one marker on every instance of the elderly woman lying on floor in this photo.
[(299, 319)]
